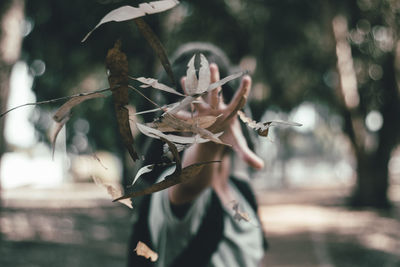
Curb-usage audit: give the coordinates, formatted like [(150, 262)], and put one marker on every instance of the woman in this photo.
[(210, 220)]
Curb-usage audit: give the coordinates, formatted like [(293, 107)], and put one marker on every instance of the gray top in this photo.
[(241, 245)]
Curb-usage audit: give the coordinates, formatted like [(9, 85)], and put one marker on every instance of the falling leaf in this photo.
[(65, 109), (173, 138), (117, 64), (193, 85), (143, 250), (63, 114), (175, 154), (178, 176), (155, 84), (128, 12), (191, 81), (57, 129), (182, 104), (263, 127), (53, 100), (99, 161), (113, 191), (224, 81), (193, 98), (240, 215), (202, 122), (182, 126), (204, 75), (179, 147), (143, 170), (171, 180), (156, 45)]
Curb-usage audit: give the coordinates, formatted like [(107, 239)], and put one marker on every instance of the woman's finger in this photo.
[(213, 96), (242, 92), (239, 145)]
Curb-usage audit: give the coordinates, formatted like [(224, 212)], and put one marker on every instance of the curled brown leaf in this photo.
[(143, 250), (117, 64)]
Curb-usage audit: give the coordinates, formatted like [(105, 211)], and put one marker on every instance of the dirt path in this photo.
[(79, 226)]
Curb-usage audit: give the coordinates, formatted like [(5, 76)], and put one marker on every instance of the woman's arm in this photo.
[(229, 124)]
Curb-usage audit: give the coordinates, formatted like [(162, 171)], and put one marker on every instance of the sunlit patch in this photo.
[(20, 93), (374, 121), (306, 115)]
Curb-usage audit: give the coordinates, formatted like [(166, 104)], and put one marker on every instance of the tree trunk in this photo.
[(372, 182), (11, 18), (372, 169)]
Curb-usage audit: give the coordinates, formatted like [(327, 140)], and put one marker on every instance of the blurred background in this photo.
[(330, 190)]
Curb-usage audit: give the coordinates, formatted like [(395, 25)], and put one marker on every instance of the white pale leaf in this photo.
[(262, 127), (191, 81), (128, 12), (172, 138), (224, 81), (202, 122), (155, 84), (204, 75), (157, 109), (143, 170), (158, 6), (288, 123), (182, 104)]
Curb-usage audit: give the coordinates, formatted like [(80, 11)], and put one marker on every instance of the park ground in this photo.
[(77, 225)]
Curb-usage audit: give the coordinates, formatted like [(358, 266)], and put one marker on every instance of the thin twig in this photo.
[(54, 100), (148, 99)]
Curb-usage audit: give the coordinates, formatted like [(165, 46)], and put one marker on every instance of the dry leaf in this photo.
[(143, 250), (204, 75), (65, 109), (117, 64), (128, 12), (263, 127), (178, 176), (202, 122), (182, 126), (224, 81), (191, 78), (179, 147), (193, 85), (148, 131), (156, 45), (57, 129), (99, 161), (63, 114), (182, 104), (240, 215), (194, 98), (143, 170), (163, 108), (113, 191), (171, 180), (155, 84)]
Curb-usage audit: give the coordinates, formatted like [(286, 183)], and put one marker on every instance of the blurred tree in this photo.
[(292, 43), (369, 91), (11, 19), (72, 67), (294, 48)]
